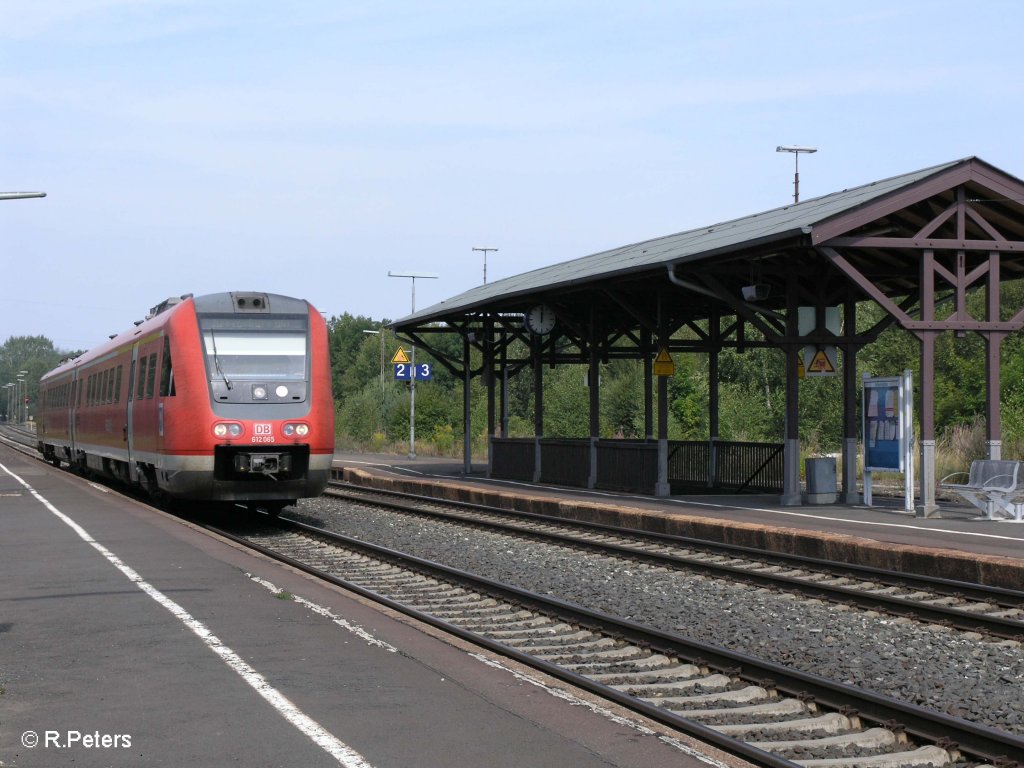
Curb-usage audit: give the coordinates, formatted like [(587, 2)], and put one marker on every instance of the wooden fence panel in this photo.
[(512, 458)]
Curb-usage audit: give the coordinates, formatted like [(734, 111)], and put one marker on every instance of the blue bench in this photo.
[(995, 487)]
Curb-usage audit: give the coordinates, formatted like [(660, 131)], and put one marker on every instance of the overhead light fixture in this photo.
[(756, 292)]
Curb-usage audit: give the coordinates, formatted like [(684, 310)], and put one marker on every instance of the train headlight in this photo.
[(295, 430), (281, 391), (227, 429), (259, 392)]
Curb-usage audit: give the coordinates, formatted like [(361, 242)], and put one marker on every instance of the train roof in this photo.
[(212, 303)]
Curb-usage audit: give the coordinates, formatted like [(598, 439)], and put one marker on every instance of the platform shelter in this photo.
[(915, 244)]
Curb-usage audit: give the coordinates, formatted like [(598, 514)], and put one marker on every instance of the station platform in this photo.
[(955, 544), (131, 637)]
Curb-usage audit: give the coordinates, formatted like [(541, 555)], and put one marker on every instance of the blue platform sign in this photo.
[(408, 372), (888, 412)]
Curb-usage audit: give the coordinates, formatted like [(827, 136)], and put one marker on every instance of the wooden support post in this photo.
[(791, 496), (538, 403), (648, 356), (467, 427), (593, 381), (851, 392)]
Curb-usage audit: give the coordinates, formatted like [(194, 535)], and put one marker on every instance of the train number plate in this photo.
[(263, 433)]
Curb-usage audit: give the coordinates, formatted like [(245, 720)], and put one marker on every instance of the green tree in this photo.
[(34, 354), (566, 402), (688, 398)]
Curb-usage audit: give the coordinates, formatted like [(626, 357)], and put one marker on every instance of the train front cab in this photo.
[(257, 365)]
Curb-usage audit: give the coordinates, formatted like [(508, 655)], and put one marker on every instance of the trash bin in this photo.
[(821, 480)]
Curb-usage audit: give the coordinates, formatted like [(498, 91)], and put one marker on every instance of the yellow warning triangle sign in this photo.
[(821, 363), (400, 356), (664, 365)]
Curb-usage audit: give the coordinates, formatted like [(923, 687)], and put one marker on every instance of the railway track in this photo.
[(762, 711), (966, 607), (24, 438)]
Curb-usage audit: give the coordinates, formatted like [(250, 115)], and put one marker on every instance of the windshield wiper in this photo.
[(216, 360)]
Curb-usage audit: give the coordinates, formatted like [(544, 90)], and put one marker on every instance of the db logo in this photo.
[(263, 429)]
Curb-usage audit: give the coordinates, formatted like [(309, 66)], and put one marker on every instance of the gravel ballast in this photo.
[(961, 674)]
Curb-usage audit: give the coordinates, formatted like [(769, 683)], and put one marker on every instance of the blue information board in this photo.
[(883, 425)]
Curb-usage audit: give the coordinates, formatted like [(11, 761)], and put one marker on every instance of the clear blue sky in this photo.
[(308, 147)]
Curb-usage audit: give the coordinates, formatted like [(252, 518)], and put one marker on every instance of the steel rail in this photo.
[(1009, 597), (961, 619), (979, 741)]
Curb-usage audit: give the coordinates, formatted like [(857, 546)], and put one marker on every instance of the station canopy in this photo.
[(864, 242), (918, 245)]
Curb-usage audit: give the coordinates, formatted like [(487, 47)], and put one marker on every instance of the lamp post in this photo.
[(380, 333), (797, 151), (485, 252), (20, 195), (412, 381), (22, 389), (9, 386)]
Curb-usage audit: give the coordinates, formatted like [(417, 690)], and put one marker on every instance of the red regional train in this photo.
[(224, 397)]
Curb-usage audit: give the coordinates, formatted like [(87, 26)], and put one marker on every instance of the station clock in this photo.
[(539, 320)]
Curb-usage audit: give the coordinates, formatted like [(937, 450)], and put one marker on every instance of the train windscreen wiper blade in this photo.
[(216, 360)]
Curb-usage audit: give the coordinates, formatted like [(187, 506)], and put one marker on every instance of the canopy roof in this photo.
[(766, 247)]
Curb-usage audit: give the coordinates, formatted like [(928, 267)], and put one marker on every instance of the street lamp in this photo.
[(380, 420), (24, 396), (20, 195), (796, 171), (9, 386), (22, 392), (485, 252), (412, 381)]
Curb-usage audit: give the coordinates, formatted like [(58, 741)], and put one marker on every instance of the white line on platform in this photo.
[(340, 751), (327, 613)]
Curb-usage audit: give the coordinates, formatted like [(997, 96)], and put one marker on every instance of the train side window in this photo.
[(117, 383), (151, 376), (140, 387), (110, 385), (78, 388), (90, 386), (166, 371)]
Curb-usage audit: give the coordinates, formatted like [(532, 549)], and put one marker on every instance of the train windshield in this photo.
[(234, 354)]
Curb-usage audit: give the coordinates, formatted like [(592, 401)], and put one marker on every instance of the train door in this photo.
[(73, 414), (130, 415)]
